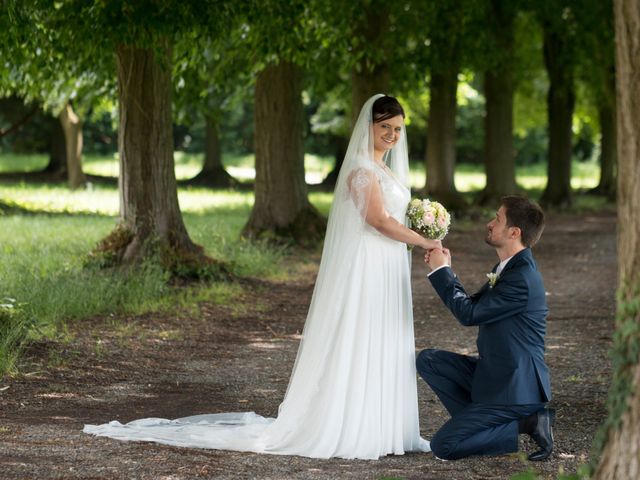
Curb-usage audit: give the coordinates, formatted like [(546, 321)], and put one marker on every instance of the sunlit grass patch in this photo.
[(205, 201), (218, 293), (471, 178), (187, 165), (22, 163), (470, 181), (322, 201), (58, 198), (101, 165), (467, 178), (104, 199), (584, 175)]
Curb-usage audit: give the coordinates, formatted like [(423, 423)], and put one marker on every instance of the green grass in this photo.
[(14, 328), (43, 256), (22, 163), (188, 165), (43, 252), (471, 178)]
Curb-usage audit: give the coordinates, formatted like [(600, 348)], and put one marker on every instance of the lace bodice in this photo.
[(396, 196)]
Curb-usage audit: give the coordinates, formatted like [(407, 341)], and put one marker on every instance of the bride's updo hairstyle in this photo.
[(385, 108)]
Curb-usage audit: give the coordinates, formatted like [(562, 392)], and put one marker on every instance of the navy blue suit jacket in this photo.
[(511, 317)]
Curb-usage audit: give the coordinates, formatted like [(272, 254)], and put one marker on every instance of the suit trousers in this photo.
[(474, 428)]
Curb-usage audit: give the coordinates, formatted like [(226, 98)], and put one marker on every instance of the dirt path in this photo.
[(239, 359)]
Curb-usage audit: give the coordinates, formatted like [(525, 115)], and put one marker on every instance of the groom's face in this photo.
[(498, 233)]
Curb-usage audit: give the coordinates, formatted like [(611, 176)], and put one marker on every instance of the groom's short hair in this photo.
[(526, 215)]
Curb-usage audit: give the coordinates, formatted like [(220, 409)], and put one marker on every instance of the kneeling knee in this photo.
[(442, 449), (424, 358)]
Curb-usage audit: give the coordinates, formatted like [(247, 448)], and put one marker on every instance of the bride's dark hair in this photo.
[(386, 107)]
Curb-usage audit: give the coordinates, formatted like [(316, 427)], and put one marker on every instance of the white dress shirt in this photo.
[(502, 264)]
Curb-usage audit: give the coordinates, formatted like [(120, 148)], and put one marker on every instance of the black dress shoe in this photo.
[(542, 434)]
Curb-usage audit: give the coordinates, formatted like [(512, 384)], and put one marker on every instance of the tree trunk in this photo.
[(608, 152), (340, 145), (57, 151), (213, 173), (151, 226), (498, 125), (364, 84), (367, 77), (281, 209), (620, 458), (72, 127), (441, 139), (560, 103), (498, 147)]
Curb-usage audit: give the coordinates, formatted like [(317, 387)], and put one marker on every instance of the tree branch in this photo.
[(20, 123)]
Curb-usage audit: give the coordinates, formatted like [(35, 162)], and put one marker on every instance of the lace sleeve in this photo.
[(361, 185)]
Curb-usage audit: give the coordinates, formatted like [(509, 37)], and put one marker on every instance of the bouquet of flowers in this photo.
[(428, 218)]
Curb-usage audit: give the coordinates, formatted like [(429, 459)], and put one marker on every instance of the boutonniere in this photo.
[(493, 278)]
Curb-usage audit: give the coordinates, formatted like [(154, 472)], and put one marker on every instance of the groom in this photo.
[(503, 391)]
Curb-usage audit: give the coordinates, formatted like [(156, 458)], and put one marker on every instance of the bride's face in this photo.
[(387, 133)]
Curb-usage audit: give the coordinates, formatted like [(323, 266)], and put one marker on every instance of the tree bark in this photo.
[(603, 81), (441, 138), (340, 150), (608, 152), (72, 127), (560, 103), (282, 209), (364, 84), (57, 151), (213, 173), (620, 458), (498, 146), (367, 77), (499, 90), (151, 226), (371, 75)]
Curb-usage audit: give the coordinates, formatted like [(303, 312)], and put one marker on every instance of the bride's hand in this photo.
[(429, 244)]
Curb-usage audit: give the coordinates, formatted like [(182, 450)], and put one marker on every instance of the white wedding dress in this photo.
[(353, 392)]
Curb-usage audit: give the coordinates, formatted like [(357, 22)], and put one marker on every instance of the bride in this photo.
[(352, 391)]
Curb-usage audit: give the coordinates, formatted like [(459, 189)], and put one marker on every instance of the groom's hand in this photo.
[(438, 257), (447, 254)]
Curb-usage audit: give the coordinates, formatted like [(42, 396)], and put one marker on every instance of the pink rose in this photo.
[(442, 221), (428, 218)]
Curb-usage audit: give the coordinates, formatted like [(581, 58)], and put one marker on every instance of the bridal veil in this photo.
[(336, 402)]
